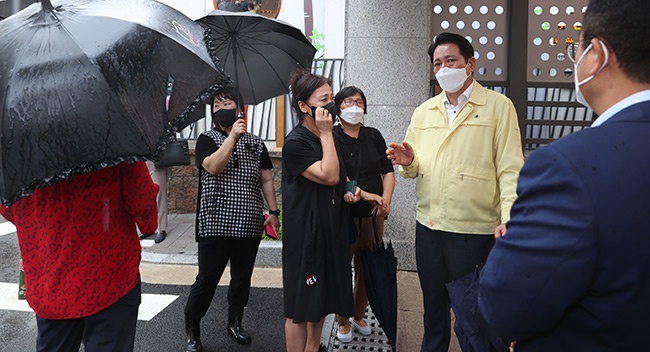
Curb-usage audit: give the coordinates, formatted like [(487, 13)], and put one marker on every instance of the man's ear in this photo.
[(471, 64), (599, 56)]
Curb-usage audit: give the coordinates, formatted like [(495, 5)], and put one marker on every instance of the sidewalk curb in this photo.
[(269, 254)]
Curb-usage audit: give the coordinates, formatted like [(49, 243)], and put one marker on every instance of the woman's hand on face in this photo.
[(323, 120)]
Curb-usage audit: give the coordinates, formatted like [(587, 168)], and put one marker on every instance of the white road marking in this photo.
[(152, 304), (9, 297), (147, 243), (7, 228)]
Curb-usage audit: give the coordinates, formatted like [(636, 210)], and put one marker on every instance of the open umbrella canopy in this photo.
[(259, 53), (84, 85)]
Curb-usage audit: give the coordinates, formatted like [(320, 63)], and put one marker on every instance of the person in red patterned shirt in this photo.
[(81, 256)]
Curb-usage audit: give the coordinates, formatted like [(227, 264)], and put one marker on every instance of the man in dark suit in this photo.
[(572, 273)]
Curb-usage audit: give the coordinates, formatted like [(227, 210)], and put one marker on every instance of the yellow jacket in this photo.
[(467, 173)]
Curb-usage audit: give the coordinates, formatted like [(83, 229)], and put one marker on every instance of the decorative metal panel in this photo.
[(552, 25), (485, 24)]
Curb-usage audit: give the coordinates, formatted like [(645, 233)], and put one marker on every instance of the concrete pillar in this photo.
[(386, 56)]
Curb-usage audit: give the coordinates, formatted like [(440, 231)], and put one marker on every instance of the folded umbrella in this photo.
[(83, 86), (473, 332), (380, 277)]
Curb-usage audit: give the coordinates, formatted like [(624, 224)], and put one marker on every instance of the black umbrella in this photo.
[(473, 332), (258, 52), (82, 86), (380, 276)]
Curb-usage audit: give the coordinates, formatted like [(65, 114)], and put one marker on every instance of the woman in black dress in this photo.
[(316, 269)]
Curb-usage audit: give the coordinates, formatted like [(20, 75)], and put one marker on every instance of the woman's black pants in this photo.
[(214, 254)]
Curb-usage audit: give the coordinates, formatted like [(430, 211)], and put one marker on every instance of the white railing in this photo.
[(262, 117)]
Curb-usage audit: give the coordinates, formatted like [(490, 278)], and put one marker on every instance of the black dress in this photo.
[(365, 162), (315, 259)]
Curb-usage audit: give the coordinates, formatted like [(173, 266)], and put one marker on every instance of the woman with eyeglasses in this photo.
[(364, 153)]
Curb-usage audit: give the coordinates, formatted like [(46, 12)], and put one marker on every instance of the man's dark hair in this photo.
[(348, 92), (303, 84), (466, 48), (624, 27)]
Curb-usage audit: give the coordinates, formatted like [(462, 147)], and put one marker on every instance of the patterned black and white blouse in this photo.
[(231, 203)]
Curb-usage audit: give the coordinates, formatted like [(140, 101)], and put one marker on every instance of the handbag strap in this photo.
[(168, 95)]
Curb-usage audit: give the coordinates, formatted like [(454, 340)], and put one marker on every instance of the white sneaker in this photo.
[(363, 330), (344, 338)]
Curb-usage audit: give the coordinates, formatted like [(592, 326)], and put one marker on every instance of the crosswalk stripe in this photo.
[(7, 228), (152, 304), (9, 298)]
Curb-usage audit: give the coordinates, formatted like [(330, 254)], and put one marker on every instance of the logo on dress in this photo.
[(311, 280)]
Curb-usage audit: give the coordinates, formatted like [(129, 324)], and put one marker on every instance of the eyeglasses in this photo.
[(350, 102), (572, 49)]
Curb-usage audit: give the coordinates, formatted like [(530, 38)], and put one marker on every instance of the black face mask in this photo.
[(331, 107), (225, 117)]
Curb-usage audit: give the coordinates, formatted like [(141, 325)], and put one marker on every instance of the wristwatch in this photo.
[(275, 212)]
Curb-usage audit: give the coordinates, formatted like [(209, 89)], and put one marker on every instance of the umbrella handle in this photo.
[(168, 91), (374, 227)]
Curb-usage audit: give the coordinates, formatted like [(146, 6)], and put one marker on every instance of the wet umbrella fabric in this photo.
[(380, 277), (473, 332), (259, 53), (82, 86)]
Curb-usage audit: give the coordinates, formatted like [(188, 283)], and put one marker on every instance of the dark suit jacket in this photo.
[(573, 271)]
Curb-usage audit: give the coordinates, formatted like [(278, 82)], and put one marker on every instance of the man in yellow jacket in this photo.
[(464, 148)]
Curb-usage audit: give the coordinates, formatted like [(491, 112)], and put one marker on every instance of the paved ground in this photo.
[(168, 268), (161, 265)]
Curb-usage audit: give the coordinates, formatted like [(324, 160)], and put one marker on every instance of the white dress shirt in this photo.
[(452, 110)]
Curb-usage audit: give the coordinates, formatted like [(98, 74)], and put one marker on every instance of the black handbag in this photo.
[(177, 153)]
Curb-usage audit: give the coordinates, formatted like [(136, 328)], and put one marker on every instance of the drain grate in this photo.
[(376, 341)]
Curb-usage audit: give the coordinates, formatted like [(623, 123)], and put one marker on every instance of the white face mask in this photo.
[(579, 97), (451, 80), (352, 115)]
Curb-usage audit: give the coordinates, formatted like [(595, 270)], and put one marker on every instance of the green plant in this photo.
[(318, 41)]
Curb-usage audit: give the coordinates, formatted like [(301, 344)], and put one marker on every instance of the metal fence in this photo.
[(551, 113), (263, 118)]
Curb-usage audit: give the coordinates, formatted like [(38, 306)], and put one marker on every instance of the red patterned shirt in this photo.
[(78, 239)]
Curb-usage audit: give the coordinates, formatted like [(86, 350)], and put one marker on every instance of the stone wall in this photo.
[(183, 183), (386, 56), (183, 187)]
